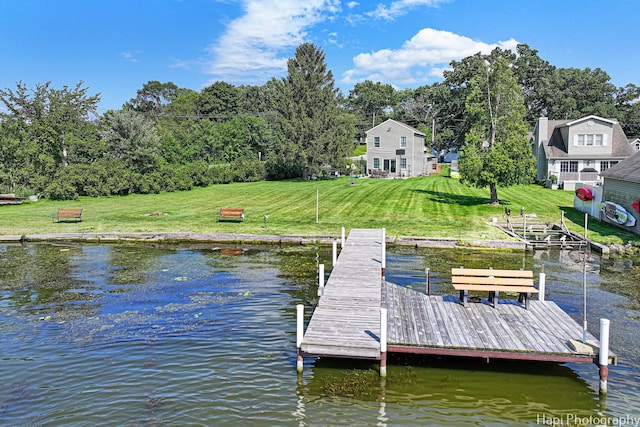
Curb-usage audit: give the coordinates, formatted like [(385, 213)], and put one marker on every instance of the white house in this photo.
[(395, 149), (635, 144), (578, 150)]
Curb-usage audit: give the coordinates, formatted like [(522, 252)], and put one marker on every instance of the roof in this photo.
[(391, 121), (557, 149), (626, 170)]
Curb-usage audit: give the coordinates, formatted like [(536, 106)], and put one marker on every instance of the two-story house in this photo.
[(579, 150), (395, 149)]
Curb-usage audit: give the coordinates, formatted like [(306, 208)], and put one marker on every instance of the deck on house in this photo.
[(346, 321)]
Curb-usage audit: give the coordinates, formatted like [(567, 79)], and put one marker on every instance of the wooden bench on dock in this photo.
[(493, 282), (236, 214), (67, 214)]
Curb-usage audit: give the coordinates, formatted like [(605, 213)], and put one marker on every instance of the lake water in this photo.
[(107, 335)]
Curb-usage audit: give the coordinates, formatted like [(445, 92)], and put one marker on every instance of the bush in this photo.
[(61, 190)]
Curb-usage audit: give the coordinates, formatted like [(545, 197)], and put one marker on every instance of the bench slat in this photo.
[(489, 272), (504, 281), (482, 288)]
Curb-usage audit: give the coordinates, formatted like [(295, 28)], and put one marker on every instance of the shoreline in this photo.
[(188, 237)]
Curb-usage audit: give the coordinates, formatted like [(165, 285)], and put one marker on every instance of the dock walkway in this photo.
[(346, 321)]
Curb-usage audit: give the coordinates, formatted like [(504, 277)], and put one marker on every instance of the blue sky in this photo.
[(115, 46)]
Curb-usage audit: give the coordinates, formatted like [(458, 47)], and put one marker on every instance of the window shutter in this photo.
[(605, 139), (575, 140)]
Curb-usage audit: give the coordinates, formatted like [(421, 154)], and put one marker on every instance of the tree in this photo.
[(496, 151), (628, 107), (132, 139), (313, 130), (48, 122), (153, 98), (221, 100), (370, 100)]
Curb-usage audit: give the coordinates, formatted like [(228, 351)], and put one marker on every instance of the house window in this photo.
[(376, 141), (590, 139), (569, 166), (604, 165), (403, 162), (376, 163), (403, 141)]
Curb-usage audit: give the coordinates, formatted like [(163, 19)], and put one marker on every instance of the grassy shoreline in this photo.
[(427, 207)]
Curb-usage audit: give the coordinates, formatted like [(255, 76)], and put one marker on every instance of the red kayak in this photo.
[(636, 205), (584, 194)]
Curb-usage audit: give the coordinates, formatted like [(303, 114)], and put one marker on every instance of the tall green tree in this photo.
[(314, 132), (496, 150)]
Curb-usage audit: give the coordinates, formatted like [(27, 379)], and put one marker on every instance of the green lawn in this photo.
[(434, 206)]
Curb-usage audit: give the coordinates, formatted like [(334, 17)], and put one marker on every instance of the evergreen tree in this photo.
[(314, 132)]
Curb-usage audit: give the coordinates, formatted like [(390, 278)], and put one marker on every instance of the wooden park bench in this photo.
[(236, 214), (67, 214), (493, 282)]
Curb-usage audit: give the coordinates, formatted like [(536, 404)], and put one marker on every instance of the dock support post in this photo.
[(604, 355), (383, 255), (320, 279), (383, 342), (542, 283), (342, 241), (335, 252), (427, 272), (299, 335)]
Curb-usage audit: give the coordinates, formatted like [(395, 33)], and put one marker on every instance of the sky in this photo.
[(116, 46)]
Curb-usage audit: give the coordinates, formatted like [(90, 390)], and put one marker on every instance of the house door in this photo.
[(390, 165)]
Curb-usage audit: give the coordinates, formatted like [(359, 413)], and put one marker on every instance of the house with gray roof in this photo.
[(578, 150), (397, 150), (622, 186)]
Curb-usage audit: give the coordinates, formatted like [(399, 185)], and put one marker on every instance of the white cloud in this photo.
[(426, 54), (352, 4), (256, 45), (130, 56), (401, 7)]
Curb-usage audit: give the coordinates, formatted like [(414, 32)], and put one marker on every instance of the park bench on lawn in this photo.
[(67, 214), (493, 282), (236, 214)]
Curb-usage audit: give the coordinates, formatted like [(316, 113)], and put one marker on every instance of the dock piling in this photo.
[(603, 357), (299, 335), (384, 250), (383, 342), (335, 252), (320, 279), (427, 272), (542, 284)]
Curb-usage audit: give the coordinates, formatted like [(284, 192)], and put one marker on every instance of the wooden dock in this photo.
[(347, 320)]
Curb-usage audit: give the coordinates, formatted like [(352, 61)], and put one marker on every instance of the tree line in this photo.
[(166, 138)]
